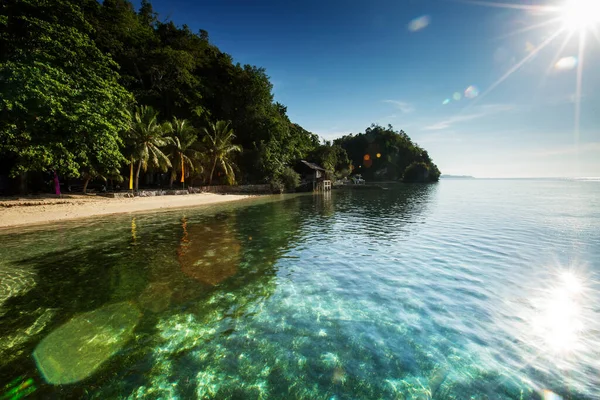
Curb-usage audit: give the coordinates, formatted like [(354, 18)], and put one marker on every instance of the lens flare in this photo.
[(419, 23), (471, 92), (566, 63), (529, 47), (456, 96), (446, 101), (580, 17)]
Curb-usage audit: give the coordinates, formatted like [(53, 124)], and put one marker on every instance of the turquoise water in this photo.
[(458, 290)]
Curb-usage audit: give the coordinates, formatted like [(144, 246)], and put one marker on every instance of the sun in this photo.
[(576, 19), (577, 15)]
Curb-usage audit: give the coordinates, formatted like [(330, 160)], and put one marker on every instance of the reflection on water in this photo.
[(558, 319), (417, 292), (14, 281), (210, 252)]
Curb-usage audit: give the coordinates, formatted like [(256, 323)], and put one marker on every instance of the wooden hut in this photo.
[(313, 176)]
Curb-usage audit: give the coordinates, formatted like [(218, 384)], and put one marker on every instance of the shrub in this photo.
[(290, 179), (418, 171)]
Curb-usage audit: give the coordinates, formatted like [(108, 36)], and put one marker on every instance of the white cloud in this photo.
[(401, 105), (477, 112)]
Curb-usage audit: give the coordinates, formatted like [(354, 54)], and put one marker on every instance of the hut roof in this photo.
[(313, 166)]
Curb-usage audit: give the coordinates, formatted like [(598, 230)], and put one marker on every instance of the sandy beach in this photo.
[(40, 210)]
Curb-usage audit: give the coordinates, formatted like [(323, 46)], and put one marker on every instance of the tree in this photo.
[(146, 137), (383, 153), (331, 157), (418, 171), (92, 173), (182, 150), (69, 70), (61, 106), (290, 179), (218, 144)]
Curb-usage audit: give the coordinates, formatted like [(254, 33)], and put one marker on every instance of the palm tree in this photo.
[(217, 142), (147, 137), (182, 149)]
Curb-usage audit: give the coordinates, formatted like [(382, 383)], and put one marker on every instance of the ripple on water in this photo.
[(446, 291)]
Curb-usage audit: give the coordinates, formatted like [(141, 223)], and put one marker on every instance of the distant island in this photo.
[(444, 176)]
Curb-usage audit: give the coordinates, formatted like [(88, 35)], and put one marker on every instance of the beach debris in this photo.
[(78, 348)]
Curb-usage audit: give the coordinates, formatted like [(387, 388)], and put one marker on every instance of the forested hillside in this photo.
[(90, 90)]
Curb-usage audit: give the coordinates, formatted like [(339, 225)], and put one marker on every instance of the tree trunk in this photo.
[(212, 171), (23, 183), (137, 176), (85, 184), (172, 178)]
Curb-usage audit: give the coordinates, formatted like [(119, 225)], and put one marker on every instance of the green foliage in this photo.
[(417, 171), (61, 106), (146, 137), (381, 153), (70, 70), (179, 73), (331, 157), (219, 148), (290, 179), (183, 147)]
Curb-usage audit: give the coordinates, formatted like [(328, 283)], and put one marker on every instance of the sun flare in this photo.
[(563, 20), (578, 15)]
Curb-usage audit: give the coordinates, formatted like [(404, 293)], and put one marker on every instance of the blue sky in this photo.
[(340, 65)]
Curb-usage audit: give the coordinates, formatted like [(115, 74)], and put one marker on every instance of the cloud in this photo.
[(477, 112), (401, 105)]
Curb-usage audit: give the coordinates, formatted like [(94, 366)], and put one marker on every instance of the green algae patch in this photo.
[(78, 348)]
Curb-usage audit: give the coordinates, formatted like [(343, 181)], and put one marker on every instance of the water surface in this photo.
[(462, 289)]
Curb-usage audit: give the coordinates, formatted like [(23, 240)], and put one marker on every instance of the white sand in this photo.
[(29, 210)]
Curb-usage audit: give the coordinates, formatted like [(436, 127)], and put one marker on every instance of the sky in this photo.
[(463, 79)]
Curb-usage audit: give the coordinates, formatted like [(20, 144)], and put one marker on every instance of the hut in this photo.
[(313, 176)]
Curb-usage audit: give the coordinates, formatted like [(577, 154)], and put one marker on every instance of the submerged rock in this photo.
[(78, 348)]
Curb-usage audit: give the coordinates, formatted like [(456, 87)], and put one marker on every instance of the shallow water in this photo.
[(463, 289)]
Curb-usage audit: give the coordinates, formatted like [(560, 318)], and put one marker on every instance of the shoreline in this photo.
[(28, 211)]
